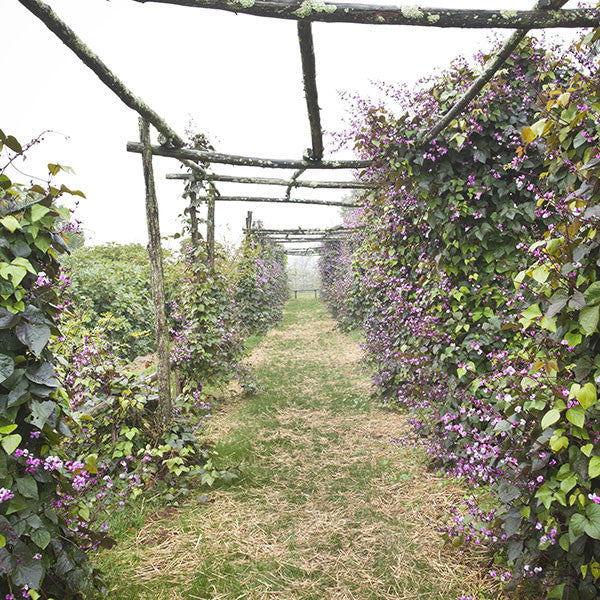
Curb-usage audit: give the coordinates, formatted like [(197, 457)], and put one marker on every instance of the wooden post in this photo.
[(249, 221), (210, 232), (193, 220), (295, 294), (165, 407)]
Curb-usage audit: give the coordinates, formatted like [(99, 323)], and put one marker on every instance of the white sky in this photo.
[(237, 77)]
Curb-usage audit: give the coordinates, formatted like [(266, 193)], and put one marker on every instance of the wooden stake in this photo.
[(210, 232), (193, 220), (309, 76), (165, 407), (329, 12)]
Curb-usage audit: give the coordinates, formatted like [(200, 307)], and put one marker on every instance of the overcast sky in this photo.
[(237, 77)]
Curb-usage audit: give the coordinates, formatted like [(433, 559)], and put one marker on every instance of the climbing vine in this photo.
[(475, 264)]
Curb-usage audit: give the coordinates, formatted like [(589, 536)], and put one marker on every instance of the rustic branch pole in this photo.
[(399, 15), (499, 59), (278, 200), (309, 77), (165, 407), (336, 185), (193, 220), (210, 232), (43, 12), (248, 161)]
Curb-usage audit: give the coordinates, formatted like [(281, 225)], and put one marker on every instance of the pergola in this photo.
[(544, 14)]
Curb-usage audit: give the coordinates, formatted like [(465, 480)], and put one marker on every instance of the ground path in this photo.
[(327, 507)]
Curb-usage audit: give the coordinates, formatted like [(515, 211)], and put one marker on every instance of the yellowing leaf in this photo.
[(10, 223), (527, 135)]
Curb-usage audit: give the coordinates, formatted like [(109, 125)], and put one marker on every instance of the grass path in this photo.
[(327, 508)]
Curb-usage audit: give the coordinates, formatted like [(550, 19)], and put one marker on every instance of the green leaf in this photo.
[(41, 537), (550, 418), (594, 467), (592, 294), (588, 319), (592, 527), (7, 367), (556, 593), (38, 211), (14, 272), (10, 223), (540, 274), (27, 487), (587, 396), (532, 312), (28, 570), (35, 336), (12, 142), (23, 262), (11, 442), (587, 449), (576, 415)]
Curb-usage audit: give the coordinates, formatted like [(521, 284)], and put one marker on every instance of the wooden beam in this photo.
[(493, 66), (302, 240), (328, 12), (336, 185), (309, 78), (278, 200), (299, 231), (43, 12), (165, 407), (248, 161)]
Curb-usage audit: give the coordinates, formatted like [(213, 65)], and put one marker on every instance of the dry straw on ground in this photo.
[(316, 530)]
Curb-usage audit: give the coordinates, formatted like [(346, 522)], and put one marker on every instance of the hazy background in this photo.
[(236, 77)]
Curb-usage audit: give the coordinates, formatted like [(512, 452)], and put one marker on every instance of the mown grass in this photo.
[(325, 508)]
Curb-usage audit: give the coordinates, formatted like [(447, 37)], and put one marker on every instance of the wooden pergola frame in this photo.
[(545, 14)]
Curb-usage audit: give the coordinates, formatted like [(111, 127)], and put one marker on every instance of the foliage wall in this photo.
[(261, 283), (477, 268), (38, 546)]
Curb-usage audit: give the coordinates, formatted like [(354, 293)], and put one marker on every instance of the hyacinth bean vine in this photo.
[(37, 547), (475, 265), (262, 284)]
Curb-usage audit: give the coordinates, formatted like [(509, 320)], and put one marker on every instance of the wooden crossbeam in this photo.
[(278, 200), (309, 77), (297, 240), (298, 231), (248, 161), (337, 185), (491, 69), (328, 12)]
